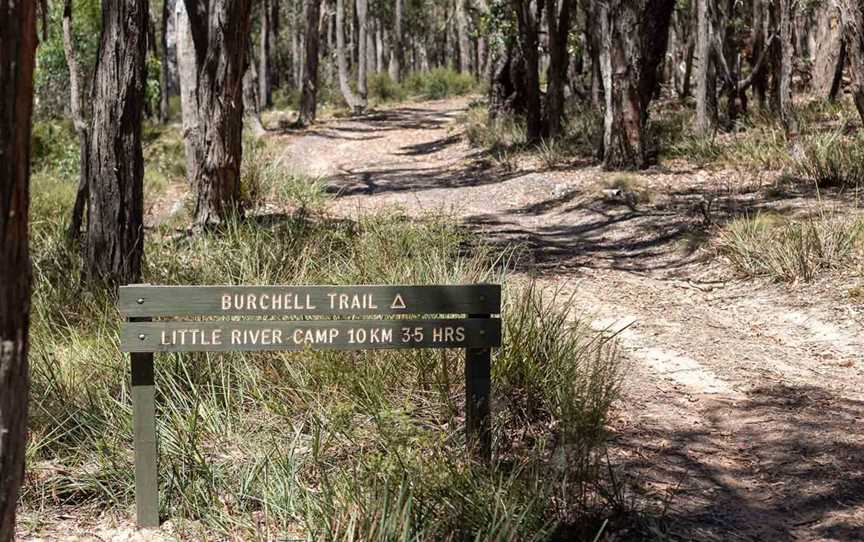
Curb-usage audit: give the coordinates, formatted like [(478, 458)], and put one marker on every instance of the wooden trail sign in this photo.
[(476, 331)]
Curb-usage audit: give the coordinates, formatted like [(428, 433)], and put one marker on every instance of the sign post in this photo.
[(141, 336)]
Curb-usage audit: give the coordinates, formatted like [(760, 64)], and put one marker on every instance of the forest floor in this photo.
[(742, 416), (742, 413)]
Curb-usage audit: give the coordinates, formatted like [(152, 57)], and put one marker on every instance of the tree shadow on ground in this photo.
[(376, 121), (581, 228), (395, 180), (797, 471)]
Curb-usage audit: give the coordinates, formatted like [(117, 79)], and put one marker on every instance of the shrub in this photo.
[(439, 83), (502, 132), (551, 153), (790, 250), (55, 148), (383, 89)]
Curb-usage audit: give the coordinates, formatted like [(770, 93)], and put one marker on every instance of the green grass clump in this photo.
[(264, 179), (165, 156), (55, 149), (439, 83), (320, 445), (702, 151), (830, 160), (790, 250), (382, 89)]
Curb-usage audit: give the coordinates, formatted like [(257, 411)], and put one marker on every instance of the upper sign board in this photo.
[(283, 301)]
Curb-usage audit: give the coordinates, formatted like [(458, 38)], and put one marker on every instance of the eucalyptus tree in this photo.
[(219, 31), (635, 35), (787, 52), (355, 102), (114, 242), (397, 54), (852, 15), (17, 59), (558, 19), (528, 16), (309, 93)]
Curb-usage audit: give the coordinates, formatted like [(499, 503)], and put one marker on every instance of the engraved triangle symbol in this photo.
[(398, 303)]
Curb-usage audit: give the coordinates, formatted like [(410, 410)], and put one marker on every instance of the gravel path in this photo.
[(742, 415)]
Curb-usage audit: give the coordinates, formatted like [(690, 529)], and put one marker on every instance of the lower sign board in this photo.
[(316, 335)]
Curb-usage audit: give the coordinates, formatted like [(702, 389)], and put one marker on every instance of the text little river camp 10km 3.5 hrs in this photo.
[(318, 335)]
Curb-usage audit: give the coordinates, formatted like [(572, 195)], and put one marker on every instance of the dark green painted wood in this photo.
[(478, 384), (144, 435), (325, 335), (159, 301)]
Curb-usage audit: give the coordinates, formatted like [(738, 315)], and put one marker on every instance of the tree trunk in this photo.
[(276, 62), (828, 57), (529, 43), (396, 52), (731, 53), (115, 217), (220, 55), (164, 88), (787, 54), (594, 43), (296, 55), (78, 120), (265, 94), (627, 59), (362, 49), (188, 75), (17, 58), (558, 24), (501, 87), (761, 27), (686, 83), (309, 94), (463, 37), (852, 16), (251, 99), (703, 123), (356, 104), (654, 39), (379, 47)]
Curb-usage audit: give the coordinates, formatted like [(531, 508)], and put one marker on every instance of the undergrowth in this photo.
[(318, 445)]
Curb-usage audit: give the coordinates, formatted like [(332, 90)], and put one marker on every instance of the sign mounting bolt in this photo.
[(142, 337), (140, 300)]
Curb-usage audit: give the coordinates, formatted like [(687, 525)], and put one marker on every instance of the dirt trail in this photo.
[(743, 405)]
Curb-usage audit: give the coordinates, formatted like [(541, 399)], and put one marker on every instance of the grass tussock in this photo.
[(266, 180), (790, 250), (322, 445), (830, 160), (504, 137)]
